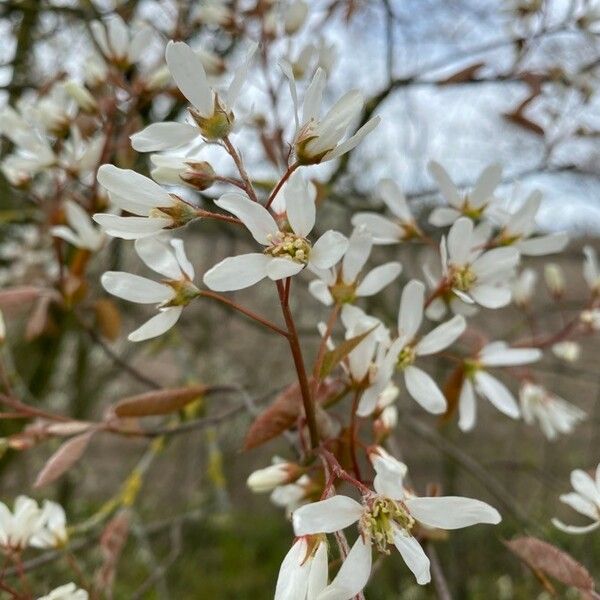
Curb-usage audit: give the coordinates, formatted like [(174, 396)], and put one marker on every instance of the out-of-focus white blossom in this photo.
[(523, 287), (591, 269), (555, 279), (18, 526), (585, 500), (80, 230), (52, 531), (68, 591), (568, 351)]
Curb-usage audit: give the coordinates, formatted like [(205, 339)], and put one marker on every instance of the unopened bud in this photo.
[(2, 328), (199, 175), (567, 351), (81, 95), (267, 479), (591, 318), (555, 279), (295, 16), (158, 79)]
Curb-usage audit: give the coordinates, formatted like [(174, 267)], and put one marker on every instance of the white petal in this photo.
[(328, 249), (395, 200), (491, 296), (292, 580), (575, 529), (544, 244), (377, 279), (237, 272), (466, 406), (357, 254), (184, 263), (136, 187), (522, 222), (446, 185), (64, 233), (188, 72), (157, 325), (353, 141), (497, 393), (130, 228), (326, 516), (442, 336), (161, 136), (410, 314), (313, 96), (321, 292), (280, 268), (255, 217), (130, 206), (300, 205), (459, 241), (382, 229), (353, 574), (135, 288), (502, 356), (452, 512), (585, 485), (424, 390), (487, 182), (80, 221), (442, 216), (239, 77), (494, 261), (390, 474), (414, 556), (156, 253), (319, 571), (580, 504)]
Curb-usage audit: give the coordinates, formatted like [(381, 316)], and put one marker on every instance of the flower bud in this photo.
[(267, 479), (2, 328), (567, 351), (591, 318), (199, 175), (295, 16), (555, 279), (81, 95)]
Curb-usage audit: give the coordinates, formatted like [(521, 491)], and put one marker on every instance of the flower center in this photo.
[(462, 278), (406, 357), (378, 520), (343, 293), (184, 292), (471, 211), (290, 246)]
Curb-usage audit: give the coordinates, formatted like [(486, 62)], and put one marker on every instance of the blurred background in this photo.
[(464, 82)]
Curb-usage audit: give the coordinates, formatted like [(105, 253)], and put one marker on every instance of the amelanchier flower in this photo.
[(286, 250), (81, 231), (478, 380), (585, 500), (475, 205), (523, 287), (389, 231), (52, 531), (483, 279), (171, 295), (569, 351), (519, 230), (18, 526), (320, 139), (155, 208), (345, 284), (69, 591), (388, 516), (554, 414), (211, 112)]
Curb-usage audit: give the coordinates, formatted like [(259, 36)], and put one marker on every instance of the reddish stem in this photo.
[(279, 185)]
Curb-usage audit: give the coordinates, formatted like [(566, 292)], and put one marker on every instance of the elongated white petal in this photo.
[(188, 72), (313, 97), (353, 141), (383, 230), (466, 406), (140, 189), (379, 278), (157, 254), (326, 516), (522, 222), (161, 136), (452, 512), (442, 336), (292, 581), (357, 254), (446, 185), (64, 233), (486, 183), (237, 272), (184, 263), (157, 325), (390, 474), (319, 572), (442, 216), (255, 217), (491, 296), (585, 485), (395, 200), (574, 529), (414, 556), (321, 292), (497, 393), (130, 206), (544, 244), (135, 288), (300, 205), (459, 241), (580, 504), (130, 227), (494, 261), (280, 268), (353, 574), (502, 356), (424, 390), (328, 249), (80, 221), (410, 314), (239, 77)]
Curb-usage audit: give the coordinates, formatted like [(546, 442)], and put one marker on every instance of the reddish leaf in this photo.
[(160, 402), (545, 558), (16, 297), (63, 459), (521, 120), (466, 74), (333, 357), (112, 542)]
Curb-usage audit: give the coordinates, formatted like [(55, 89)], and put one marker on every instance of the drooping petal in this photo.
[(446, 185), (491, 296), (543, 244), (410, 314), (377, 279), (353, 141), (466, 406), (292, 582), (326, 516), (459, 241), (140, 189), (237, 272), (357, 254), (300, 205), (157, 325), (442, 336), (131, 228), (442, 216), (424, 390), (184, 263), (497, 393), (414, 556), (574, 529), (382, 229), (390, 474), (582, 505), (135, 288), (486, 183), (254, 216), (156, 253), (452, 512), (319, 572), (161, 136), (320, 291), (328, 249), (585, 485), (395, 200), (188, 72), (280, 268)]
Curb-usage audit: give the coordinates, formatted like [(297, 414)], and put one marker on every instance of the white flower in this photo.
[(320, 139), (519, 230), (554, 414), (18, 527), (155, 208), (52, 532), (384, 230), (523, 287), (408, 347), (286, 252), (585, 500), (387, 518), (567, 351), (295, 16), (293, 495), (117, 43), (171, 295), (81, 232), (68, 591), (346, 284), (81, 157), (591, 269), (211, 111), (478, 380), (474, 205), (555, 279), (275, 475), (482, 280), (386, 411), (591, 318)]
